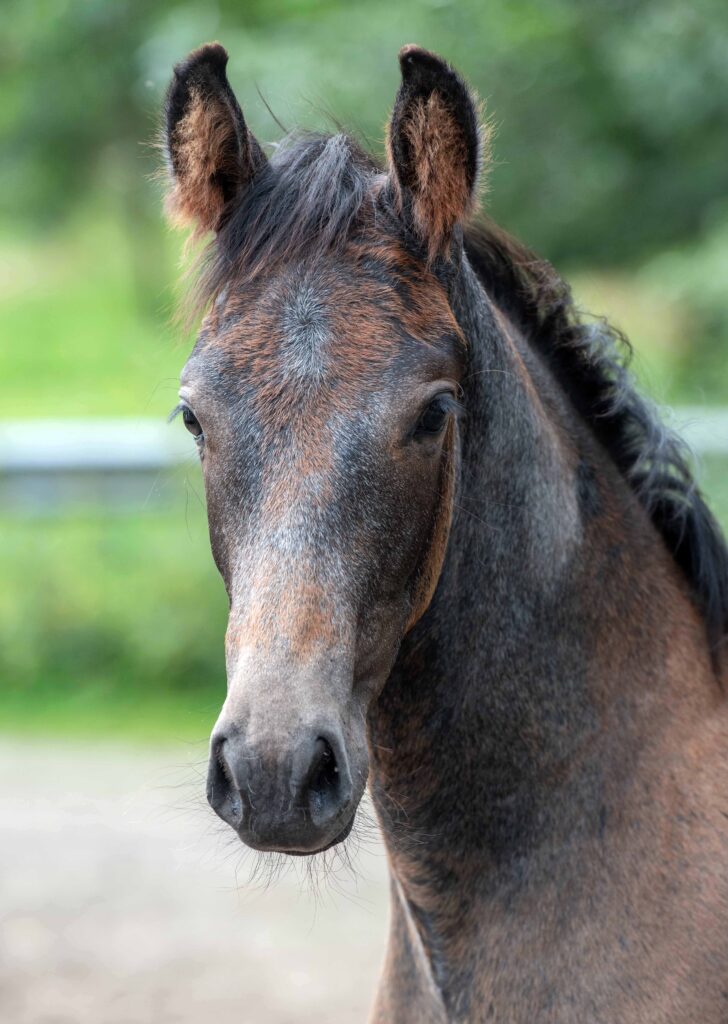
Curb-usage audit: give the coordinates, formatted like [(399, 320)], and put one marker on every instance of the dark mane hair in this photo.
[(313, 194), (590, 360), (307, 199)]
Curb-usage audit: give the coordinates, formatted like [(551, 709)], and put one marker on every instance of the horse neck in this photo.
[(559, 649)]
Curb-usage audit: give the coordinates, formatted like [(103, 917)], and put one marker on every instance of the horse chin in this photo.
[(340, 837), (343, 835)]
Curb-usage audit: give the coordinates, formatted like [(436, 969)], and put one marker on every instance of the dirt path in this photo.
[(122, 902)]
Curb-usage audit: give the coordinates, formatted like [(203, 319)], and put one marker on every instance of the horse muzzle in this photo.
[(297, 801)]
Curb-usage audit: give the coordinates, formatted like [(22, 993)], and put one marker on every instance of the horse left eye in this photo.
[(191, 422), (433, 418)]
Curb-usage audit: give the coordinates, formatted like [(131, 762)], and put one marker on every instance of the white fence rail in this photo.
[(105, 445), (120, 463), (704, 428), (45, 464)]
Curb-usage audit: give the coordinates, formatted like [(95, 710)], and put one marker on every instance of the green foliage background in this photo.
[(610, 159)]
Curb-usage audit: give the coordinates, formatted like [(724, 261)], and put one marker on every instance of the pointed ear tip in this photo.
[(413, 56), (213, 54), (408, 50)]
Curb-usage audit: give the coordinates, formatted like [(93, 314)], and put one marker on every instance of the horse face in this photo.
[(325, 412), (323, 394)]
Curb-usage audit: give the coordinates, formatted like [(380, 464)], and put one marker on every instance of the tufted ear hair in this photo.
[(435, 143), (212, 156)]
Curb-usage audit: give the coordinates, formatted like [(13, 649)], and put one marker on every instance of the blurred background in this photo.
[(610, 160)]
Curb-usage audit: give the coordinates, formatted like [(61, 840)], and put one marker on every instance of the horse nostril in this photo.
[(325, 786), (324, 772), (223, 792)]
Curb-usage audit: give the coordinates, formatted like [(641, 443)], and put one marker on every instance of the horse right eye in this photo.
[(191, 422), (433, 418)]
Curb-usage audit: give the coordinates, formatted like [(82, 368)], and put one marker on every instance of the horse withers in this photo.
[(465, 562)]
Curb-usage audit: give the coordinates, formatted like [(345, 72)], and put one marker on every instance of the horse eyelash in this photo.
[(176, 412), (454, 406)]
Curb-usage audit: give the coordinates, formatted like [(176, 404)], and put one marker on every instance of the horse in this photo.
[(467, 565)]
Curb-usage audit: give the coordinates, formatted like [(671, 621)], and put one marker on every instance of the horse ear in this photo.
[(211, 154), (435, 144)]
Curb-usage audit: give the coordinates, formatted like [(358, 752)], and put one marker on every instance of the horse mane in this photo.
[(590, 359), (314, 193)]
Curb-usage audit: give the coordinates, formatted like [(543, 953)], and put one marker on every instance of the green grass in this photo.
[(657, 326), (85, 320), (712, 475), (93, 712), (115, 623)]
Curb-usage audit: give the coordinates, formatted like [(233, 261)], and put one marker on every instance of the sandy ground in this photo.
[(123, 902)]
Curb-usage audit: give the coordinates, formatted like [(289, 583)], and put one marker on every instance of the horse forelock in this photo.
[(315, 193)]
